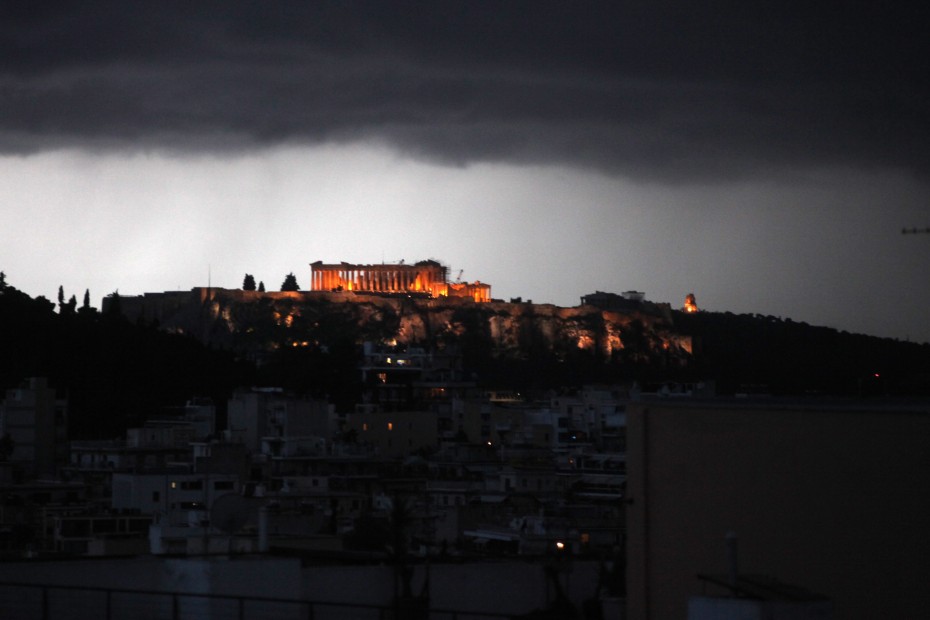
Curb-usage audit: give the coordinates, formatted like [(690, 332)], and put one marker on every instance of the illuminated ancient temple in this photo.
[(428, 277)]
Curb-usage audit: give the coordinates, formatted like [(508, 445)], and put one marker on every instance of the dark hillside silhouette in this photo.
[(114, 373), (782, 356)]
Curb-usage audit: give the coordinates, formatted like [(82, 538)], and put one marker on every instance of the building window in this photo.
[(390, 426), (223, 485), (156, 496)]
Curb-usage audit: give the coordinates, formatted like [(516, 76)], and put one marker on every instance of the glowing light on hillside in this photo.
[(690, 303)]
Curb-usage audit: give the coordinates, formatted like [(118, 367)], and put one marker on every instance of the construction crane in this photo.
[(915, 231), (458, 278)]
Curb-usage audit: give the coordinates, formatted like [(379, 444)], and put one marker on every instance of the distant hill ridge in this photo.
[(636, 340), (116, 368)]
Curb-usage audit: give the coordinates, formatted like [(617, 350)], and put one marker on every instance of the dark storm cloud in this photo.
[(651, 90)]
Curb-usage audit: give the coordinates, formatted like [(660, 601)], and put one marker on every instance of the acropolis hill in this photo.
[(413, 305)]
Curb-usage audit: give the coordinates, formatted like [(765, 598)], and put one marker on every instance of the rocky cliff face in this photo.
[(257, 323)]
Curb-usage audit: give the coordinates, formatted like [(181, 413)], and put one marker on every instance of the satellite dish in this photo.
[(232, 512)]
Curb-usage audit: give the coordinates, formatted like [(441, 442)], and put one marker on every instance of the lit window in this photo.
[(365, 426), (174, 485), (390, 426)]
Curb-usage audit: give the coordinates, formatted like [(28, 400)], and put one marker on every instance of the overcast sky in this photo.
[(765, 159)]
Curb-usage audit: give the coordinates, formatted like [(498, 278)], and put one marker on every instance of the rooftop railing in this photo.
[(70, 602)]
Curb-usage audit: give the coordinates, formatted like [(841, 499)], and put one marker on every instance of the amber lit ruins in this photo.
[(424, 277), (690, 304)]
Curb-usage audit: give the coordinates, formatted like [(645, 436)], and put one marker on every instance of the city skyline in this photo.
[(765, 160)]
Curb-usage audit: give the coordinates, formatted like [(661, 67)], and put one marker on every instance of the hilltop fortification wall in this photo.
[(248, 319)]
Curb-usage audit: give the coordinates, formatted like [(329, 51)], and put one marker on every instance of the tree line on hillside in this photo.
[(765, 353), (114, 373), (289, 284)]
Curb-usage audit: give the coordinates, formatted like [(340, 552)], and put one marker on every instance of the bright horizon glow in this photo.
[(154, 221)]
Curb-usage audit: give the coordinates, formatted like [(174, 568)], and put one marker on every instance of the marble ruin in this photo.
[(428, 277)]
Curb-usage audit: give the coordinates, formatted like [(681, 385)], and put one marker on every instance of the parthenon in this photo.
[(427, 277)]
